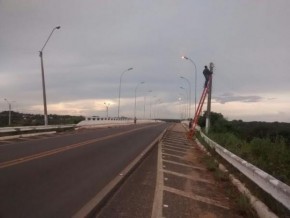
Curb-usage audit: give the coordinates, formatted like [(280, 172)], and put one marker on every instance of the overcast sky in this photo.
[(247, 40)]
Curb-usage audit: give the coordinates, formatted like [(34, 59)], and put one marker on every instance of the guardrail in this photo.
[(105, 122), (17, 129), (277, 189)]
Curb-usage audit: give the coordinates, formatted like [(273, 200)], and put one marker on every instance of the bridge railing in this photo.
[(277, 189)]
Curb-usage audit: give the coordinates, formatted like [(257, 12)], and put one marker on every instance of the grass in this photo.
[(245, 149), (243, 206), (272, 157), (239, 201)]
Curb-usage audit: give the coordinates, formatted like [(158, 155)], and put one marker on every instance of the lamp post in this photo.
[(43, 79), (135, 98), (9, 116), (189, 93), (107, 108), (195, 80), (131, 68), (186, 97)]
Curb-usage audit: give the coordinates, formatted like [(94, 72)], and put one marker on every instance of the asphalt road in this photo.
[(55, 176)]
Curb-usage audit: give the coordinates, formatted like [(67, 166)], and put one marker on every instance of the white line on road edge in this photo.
[(158, 197), (96, 202)]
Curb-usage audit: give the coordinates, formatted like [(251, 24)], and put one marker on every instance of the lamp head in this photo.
[(58, 27), (184, 57), (131, 68)]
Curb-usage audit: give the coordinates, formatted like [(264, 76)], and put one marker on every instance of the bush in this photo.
[(272, 157)]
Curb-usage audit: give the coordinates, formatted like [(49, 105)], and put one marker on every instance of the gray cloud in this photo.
[(98, 40), (228, 97)]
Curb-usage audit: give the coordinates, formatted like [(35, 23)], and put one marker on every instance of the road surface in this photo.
[(54, 176)]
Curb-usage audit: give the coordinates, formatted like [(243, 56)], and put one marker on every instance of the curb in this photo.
[(97, 202)]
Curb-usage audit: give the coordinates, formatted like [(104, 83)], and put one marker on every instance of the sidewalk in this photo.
[(185, 187), (180, 187)]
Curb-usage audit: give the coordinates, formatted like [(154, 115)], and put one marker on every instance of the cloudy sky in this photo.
[(247, 40)]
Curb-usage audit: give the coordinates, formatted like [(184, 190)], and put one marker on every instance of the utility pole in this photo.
[(207, 122)]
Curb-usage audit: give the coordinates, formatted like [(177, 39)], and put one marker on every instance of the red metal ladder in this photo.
[(198, 111)]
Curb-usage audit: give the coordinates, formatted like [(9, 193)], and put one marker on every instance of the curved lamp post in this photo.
[(187, 80), (131, 68), (195, 79), (43, 79), (135, 98)]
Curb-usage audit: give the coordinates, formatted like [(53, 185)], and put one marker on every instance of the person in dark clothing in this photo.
[(207, 74), (190, 124)]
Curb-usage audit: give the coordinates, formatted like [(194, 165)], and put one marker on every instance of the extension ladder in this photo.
[(198, 111)]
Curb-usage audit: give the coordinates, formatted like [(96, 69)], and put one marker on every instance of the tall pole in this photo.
[(187, 80), (42, 76), (195, 80), (120, 89), (43, 89), (207, 121)]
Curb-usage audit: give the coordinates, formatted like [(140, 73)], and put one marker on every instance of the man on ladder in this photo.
[(207, 74)]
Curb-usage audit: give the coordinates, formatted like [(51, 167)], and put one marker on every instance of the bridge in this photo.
[(148, 169), (123, 167)]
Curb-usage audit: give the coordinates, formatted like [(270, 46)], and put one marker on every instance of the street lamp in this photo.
[(186, 97), (135, 98), (189, 92), (107, 109), (9, 116), (195, 80), (42, 74), (131, 68)]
